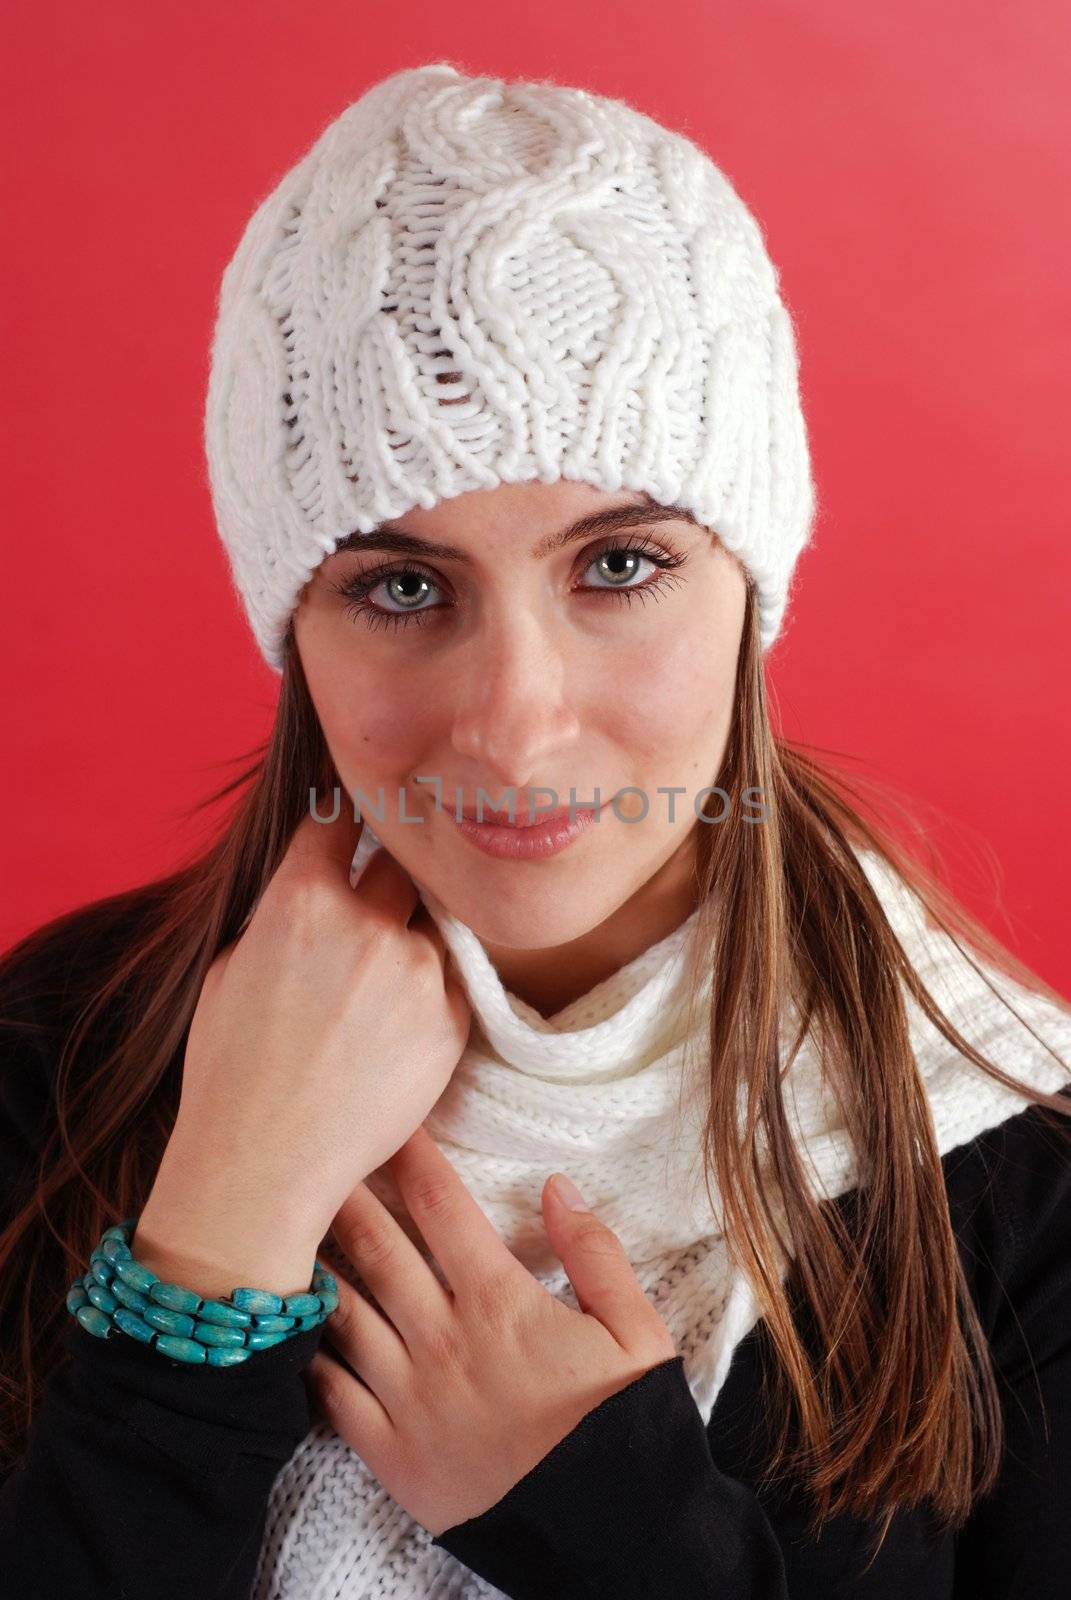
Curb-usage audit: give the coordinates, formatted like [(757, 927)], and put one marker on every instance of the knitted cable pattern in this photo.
[(608, 1091), (469, 281)]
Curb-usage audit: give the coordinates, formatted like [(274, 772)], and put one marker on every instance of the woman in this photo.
[(491, 360)]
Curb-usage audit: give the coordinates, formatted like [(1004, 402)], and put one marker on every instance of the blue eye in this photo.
[(356, 590)]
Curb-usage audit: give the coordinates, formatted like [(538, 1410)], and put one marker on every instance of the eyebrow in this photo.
[(614, 520)]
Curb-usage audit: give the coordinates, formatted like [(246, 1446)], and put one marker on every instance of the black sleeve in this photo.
[(633, 1501), (1018, 1540), (630, 1503), (142, 1476)]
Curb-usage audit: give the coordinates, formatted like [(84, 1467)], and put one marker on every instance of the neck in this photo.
[(550, 979)]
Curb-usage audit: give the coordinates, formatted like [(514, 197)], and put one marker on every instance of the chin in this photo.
[(529, 916)]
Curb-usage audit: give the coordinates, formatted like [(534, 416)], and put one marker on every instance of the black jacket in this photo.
[(145, 1477)]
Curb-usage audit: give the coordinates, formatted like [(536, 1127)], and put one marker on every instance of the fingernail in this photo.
[(367, 845), (568, 1193)]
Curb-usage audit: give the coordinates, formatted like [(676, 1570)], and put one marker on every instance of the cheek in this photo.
[(363, 710), (679, 706), (371, 726)]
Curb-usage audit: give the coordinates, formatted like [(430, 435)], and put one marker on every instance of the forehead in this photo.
[(543, 517)]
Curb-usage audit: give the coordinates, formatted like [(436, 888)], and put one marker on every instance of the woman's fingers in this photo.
[(459, 1234), (345, 1402), (389, 1263), (601, 1273), (367, 1343)]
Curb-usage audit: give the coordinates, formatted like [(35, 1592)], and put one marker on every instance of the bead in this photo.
[(137, 1276), (102, 1299), (209, 1333), (257, 1339), (273, 1324), (94, 1321), (133, 1299), (173, 1322), (181, 1349), (134, 1325), (227, 1355), (177, 1321), (257, 1300), (300, 1305), (174, 1297), (226, 1316)]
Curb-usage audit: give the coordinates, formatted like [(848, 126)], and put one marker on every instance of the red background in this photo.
[(910, 166)]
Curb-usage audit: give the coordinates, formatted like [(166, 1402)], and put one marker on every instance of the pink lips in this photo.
[(521, 839), (520, 817)]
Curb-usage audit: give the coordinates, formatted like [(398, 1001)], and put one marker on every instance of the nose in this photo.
[(513, 707)]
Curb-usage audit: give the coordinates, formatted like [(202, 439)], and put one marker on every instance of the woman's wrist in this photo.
[(207, 1325), (204, 1241), (216, 1266)]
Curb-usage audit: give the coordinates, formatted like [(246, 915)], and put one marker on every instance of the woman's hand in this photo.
[(451, 1395), (322, 1037)]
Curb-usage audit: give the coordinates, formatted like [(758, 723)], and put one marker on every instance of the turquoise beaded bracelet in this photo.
[(118, 1292)]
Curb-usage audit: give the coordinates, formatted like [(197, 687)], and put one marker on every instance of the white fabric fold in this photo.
[(610, 1091)]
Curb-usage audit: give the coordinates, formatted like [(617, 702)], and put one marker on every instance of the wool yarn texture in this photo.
[(608, 1091), (469, 281)]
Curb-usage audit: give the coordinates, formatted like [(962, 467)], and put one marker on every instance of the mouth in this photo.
[(528, 839), (525, 817)]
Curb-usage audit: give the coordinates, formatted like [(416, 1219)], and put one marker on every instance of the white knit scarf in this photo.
[(607, 1091)]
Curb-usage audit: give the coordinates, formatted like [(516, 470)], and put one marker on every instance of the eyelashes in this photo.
[(355, 590)]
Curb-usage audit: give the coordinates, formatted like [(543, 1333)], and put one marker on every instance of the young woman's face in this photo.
[(505, 668)]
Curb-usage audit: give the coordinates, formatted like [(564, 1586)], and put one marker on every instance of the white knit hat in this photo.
[(469, 281)]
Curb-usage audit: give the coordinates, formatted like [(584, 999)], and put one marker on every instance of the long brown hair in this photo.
[(792, 899)]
